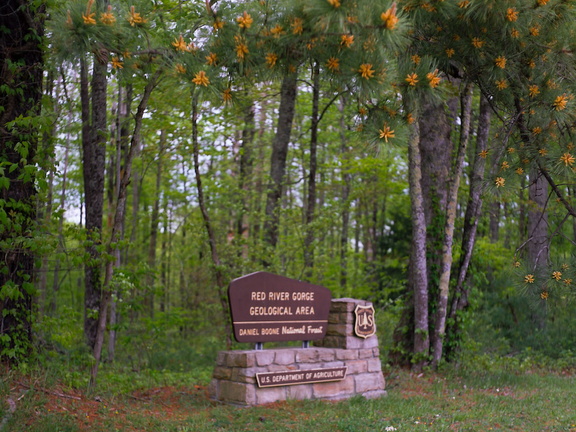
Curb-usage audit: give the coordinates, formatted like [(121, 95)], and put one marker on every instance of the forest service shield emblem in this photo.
[(364, 326)]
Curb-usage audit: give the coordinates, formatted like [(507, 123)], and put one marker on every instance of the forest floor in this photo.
[(455, 401)]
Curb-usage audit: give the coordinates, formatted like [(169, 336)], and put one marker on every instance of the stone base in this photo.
[(234, 378)]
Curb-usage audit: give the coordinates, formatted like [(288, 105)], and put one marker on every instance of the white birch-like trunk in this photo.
[(446, 263), (418, 278)]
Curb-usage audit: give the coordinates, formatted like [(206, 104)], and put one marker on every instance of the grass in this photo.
[(454, 400)]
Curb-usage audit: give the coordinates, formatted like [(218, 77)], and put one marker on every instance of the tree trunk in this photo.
[(471, 219), (221, 282), (346, 181), (494, 221), (118, 223), (44, 210), (121, 138), (154, 221), (278, 162), (311, 198), (246, 168), (418, 269), (451, 209), (93, 162), (537, 247), (56, 277), (22, 25)]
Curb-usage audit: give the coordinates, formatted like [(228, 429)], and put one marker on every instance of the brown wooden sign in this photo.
[(271, 308), (283, 378)]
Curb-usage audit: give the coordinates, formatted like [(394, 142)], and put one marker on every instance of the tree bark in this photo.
[(118, 222), (471, 219), (21, 44), (418, 270), (451, 209), (62, 203), (246, 168), (311, 197), (221, 282), (93, 161), (346, 180), (154, 222), (278, 163), (537, 247)]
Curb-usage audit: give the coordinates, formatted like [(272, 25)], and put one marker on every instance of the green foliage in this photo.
[(168, 307)]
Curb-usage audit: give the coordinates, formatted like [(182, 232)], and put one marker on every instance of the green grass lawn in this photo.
[(454, 400)]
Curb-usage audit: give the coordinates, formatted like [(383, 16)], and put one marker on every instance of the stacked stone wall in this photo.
[(234, 379)]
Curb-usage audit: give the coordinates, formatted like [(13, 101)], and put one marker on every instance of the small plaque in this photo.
[(293, 377), (271, 308), (365, 325)]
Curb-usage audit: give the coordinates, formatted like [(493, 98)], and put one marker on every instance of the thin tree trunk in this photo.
[(221, 282), (246, 168), (56, 279), (346, 180), (121, 139), (119, 212), (418, 271), (154, 221), (93, 161), (311, 198), (164, 249), (44, 210), (494, 221), (537, 246), (471, 219), (259, 171), (278, 162), (446, 265)]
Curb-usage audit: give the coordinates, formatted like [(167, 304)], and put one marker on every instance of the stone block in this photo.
[(357, 367), (335, 318), (341, 329), (221, 372), (240, 359), (237, 393), (327, 354), (284, 356), (308, 366), (374, 365), (298, 392), (307, 355), (368, 382), (334, 388), (332, 364), (281, 367), (339, 305), (354, 342), (264, 358), (365, 353), (346, 354), (269, 395), (221, 358), (244, 375)]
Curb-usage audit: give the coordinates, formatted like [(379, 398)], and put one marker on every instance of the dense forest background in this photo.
[(417, 154)]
